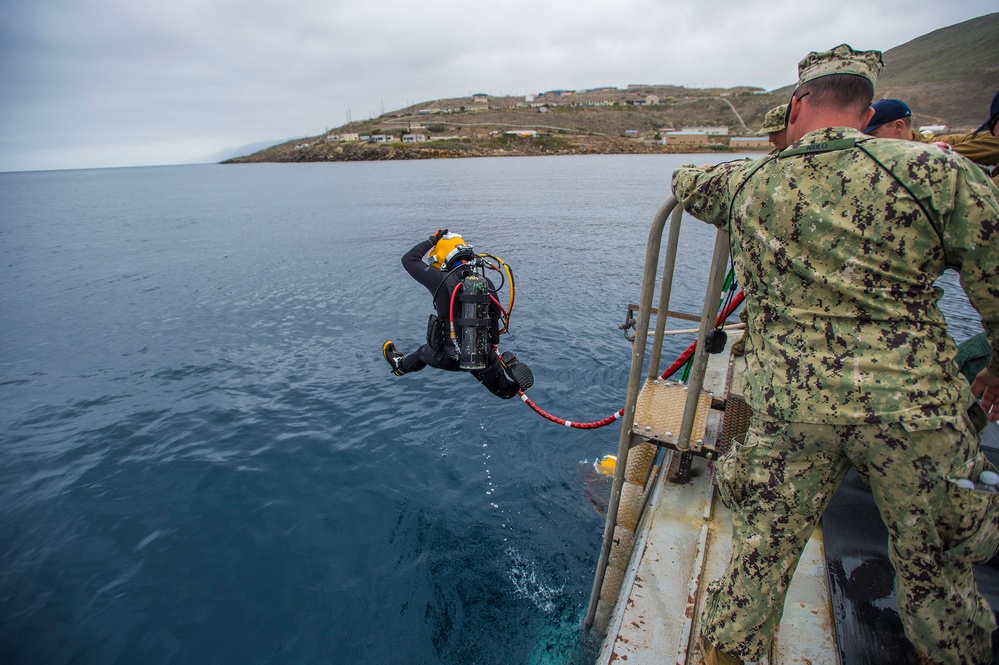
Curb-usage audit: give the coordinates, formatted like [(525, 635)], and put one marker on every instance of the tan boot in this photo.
[(712, 655), (925, 660), (739, 346)]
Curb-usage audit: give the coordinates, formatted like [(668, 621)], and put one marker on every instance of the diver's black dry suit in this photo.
[(443, 355)]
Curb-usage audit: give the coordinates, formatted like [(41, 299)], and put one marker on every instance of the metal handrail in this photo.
[(696, 381)]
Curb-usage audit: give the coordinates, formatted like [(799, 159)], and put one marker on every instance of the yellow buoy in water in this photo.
[(606, 465)]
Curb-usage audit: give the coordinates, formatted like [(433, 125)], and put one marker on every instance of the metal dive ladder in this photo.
[(658, 414)]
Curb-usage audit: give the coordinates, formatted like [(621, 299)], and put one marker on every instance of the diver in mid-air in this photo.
[(463, 333)]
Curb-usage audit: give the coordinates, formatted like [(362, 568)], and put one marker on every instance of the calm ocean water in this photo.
[(204, 458)]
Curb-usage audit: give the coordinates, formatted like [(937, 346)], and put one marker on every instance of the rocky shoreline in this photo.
[(368, 152)]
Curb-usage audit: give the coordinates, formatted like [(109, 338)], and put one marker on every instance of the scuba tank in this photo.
[(477, 327), (474, 322)]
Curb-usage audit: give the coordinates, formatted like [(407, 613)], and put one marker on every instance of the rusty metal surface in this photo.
[(735, 422), (659, 413), (682, 543)]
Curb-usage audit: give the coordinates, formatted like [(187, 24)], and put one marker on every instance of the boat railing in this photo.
[(658, 414)]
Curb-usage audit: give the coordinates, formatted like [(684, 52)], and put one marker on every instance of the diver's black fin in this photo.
[(393, 357), (517, 370)]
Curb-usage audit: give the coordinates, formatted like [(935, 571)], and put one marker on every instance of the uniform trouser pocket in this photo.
[(940, 530), (967, 519), (734, 469), (969, 524), (730, 472)]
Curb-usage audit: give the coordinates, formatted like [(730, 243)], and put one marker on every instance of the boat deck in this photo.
[(683, 542)]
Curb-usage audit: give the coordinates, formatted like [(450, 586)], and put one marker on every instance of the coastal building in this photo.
[(751, 142), (414, 138), (685, 138), (342, 138), (716, 131)]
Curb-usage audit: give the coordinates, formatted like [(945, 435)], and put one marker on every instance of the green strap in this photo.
[(824, 146)]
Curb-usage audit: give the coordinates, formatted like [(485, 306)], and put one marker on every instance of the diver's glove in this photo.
[(435, 238)]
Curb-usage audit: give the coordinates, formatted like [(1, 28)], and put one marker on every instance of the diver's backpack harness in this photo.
[(476, 327), (474, 322)]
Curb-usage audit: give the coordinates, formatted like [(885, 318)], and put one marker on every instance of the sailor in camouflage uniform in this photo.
[(838, 241), (775, 127)]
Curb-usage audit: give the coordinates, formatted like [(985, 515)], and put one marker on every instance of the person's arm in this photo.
[(412, 261), (986, 388), (704, 191), (981, 148), (972, 246)]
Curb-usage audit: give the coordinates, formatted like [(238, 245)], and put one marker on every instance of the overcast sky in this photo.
[(97, 83)]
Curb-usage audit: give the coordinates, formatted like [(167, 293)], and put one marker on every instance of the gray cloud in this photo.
[(92, 83)]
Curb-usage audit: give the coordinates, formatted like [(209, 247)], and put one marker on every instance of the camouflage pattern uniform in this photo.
[(838, 241), (774, 121)]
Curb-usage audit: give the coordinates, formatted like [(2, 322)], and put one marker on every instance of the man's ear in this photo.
[(795, 107), (867, 117)]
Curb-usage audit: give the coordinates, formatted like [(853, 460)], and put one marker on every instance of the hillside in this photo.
[(947, 77)]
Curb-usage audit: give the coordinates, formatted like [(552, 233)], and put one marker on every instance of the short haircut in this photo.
[(844, 91)]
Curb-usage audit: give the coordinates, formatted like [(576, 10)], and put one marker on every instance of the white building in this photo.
[(685, 138), (749, 142), (717, 131), (931, 130)]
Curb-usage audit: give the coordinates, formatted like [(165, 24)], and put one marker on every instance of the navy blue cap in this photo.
[(993, 112), (885, 111)]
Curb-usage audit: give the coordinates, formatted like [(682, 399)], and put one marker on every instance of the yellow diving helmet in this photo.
[(447, 249), (606, 465)]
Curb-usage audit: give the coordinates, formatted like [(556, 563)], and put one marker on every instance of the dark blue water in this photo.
[(204, 458)]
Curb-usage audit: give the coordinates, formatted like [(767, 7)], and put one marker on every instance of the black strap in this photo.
[(906, 188), (829, 146), (474, 297), (731, 204), (822, 146), (476, 323)]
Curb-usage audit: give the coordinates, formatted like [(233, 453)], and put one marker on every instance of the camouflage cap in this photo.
[(773, 121), (840, 60)]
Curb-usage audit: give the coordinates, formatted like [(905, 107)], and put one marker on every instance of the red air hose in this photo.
[(568, 423), (685, 356), (670, 371)]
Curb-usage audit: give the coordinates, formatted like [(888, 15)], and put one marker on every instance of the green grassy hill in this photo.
[(948, 76)]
